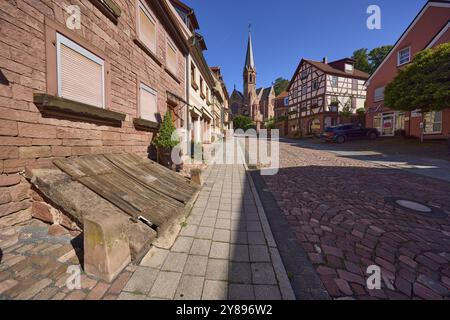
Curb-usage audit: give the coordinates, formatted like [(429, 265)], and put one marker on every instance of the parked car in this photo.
[(345, 132)]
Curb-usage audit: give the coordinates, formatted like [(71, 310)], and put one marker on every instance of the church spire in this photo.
[(250, 61)]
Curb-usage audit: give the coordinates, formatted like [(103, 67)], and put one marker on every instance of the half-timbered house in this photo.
[(320, 91)]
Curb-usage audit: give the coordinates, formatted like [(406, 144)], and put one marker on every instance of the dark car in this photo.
[(345, 132)]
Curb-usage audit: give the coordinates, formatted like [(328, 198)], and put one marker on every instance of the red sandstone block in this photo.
[(8, 152), (59, 151), (75, 133), (22, 93), (5, 91), (15, 141), (19, 192), (109, 135), (14, 165), (81, 151), (9, 180), (34, 152), (46, 142), (37, 130), (8, 128)]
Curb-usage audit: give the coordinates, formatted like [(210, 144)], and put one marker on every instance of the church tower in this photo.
[(249, 76)]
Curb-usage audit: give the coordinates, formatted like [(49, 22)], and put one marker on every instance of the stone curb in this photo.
[(286, 289)]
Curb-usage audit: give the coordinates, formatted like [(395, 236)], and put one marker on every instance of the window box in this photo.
[(68, 109), (147, 125), (109, 8)]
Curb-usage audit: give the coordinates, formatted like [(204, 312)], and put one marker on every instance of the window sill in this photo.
[(172, 75), (202, 95), (68, 109), (109, 8), (195, 86), (147, 125), (147, 50)]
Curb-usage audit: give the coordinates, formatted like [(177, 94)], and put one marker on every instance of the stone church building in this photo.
[(258, 104)]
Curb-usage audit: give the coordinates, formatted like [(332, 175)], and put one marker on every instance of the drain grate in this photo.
[(417, 208)]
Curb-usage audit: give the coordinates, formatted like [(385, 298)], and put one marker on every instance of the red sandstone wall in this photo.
[(29, 140)]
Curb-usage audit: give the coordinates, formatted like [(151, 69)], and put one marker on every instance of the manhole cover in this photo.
[(417, 208), (412, 205)]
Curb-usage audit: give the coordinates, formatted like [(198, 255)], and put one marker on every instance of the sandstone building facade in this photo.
[(81, 78)]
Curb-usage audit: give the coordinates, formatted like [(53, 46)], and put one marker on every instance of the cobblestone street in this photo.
[(339, 210)]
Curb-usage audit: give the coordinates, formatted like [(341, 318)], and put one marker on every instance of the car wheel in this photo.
[(372, 136), (340, 139)]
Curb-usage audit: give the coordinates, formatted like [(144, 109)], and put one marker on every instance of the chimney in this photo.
[(325, 60)]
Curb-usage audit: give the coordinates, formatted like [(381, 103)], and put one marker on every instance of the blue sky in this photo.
[(284, 31)]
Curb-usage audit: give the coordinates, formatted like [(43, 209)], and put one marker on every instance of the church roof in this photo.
[(258, 91), (266, 93), (249, 60), (238, 93)]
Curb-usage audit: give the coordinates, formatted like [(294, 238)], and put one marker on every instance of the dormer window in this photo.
[(349, 68), (404, 56)]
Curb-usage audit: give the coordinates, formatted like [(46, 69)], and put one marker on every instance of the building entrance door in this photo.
[(387, 125)]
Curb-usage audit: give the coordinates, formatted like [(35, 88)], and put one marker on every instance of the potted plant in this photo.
[(166, 141)]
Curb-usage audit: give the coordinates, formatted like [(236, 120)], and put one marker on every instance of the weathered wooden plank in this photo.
[(167, 182), (137, 186)]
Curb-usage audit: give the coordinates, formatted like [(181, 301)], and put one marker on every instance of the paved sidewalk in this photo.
[(224, 251)]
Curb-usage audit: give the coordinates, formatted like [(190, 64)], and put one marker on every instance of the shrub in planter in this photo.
[(166, 141)]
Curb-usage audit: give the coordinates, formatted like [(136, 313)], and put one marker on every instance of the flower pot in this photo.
[(165, 157)]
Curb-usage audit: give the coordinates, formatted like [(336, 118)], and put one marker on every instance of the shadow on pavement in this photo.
[(342, 218)]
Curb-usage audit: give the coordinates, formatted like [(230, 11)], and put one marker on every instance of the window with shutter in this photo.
[(148, 103), (80, 73), (171, 57), (147, 28)]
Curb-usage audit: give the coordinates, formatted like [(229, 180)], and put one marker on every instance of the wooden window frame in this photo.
[(202, 93), (334, 81), (378, 98), (63, 40), (51, 30), (434, 122), (194, 76), (399, 63), (149, 13), (143, 86), (349, 70), (169, 43)]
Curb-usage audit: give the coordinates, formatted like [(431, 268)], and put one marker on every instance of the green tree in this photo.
[(369, 61), (377, 55), (280, 85), (270, 124), (164, 138), (242, 122), (424, 84), (361, 57)]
